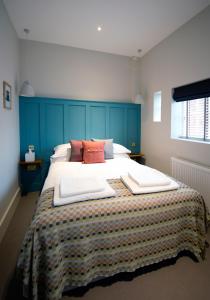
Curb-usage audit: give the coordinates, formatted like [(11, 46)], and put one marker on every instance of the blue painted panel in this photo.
[(30, 135), (133, 125), (53, 127), (97, 122), (75, 122), (29, 127), (117, 129), (46, 122), (58, 120)]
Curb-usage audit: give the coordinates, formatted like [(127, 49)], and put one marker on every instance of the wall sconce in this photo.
[(139, 99), (27, 90)]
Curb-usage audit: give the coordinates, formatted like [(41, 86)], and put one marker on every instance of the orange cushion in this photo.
[(93, 152)]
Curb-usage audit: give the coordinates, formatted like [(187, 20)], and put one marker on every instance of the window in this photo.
[(191, 111), (195, 119), (157, 107)]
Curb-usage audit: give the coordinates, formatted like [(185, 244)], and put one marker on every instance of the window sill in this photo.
[(188, 140)]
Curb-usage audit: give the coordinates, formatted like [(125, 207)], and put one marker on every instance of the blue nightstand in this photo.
[(138, 157), (30, 175)]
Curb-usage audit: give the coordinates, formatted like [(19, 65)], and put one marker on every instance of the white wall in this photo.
[(9, 119), (69, 72), (182, 58)]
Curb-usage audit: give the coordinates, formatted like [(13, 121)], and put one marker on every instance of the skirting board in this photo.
[(7, 216)]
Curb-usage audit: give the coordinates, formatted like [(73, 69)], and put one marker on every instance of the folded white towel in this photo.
[(70, 186), (136, 189), (149, 177), (107, 192)]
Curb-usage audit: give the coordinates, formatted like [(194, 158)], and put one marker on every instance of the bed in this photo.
[(73, 245)]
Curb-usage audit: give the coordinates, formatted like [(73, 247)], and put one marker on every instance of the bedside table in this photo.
[(138, 157), (30, 176)]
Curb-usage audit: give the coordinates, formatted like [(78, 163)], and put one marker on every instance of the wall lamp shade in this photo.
[(138, 99), (27, 90)]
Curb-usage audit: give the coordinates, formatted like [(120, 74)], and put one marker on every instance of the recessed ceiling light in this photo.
[(26, 30), (99, 28)]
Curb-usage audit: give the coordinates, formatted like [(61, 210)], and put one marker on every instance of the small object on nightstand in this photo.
[(30, 155), (138, 157)]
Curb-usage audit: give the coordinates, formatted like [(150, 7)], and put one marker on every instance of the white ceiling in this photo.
[(127, 25)]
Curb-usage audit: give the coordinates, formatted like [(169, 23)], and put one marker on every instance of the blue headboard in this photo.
[(47, 122)]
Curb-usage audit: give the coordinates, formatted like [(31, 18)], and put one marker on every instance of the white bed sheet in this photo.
[(111, 169)]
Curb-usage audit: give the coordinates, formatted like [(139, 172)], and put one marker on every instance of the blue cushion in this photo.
[(108, 148)]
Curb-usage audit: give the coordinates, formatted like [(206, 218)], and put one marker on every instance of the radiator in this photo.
[(194, 175)]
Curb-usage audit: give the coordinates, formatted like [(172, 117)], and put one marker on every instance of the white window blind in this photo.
[(195, 119), (207, 133)]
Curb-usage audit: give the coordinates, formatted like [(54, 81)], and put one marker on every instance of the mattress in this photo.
[(71, 246), (111, 169)]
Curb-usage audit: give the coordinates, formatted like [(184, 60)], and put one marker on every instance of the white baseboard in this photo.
[(7, 216)]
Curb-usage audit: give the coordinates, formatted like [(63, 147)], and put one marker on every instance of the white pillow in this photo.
[(120, 149), (61, 150), (64, 151), (54, 158)]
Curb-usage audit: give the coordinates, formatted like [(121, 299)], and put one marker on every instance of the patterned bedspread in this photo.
[(72, 245)]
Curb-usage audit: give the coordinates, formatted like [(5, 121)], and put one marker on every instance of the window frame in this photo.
[(157, 107), (203, 139)]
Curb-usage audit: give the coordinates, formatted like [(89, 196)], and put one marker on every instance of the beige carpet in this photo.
[(186, 280)]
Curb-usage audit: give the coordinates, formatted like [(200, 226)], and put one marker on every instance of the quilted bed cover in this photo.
[(72, 245)]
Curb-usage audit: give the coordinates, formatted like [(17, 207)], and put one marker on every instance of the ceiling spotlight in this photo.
[(26, 30), (99, 28)]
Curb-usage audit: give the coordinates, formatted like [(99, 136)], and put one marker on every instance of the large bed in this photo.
[(70, 246)]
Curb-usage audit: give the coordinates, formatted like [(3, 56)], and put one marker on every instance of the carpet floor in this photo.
[(184, 280)]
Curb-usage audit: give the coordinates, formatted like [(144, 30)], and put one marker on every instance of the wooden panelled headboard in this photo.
[(47, 122)]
